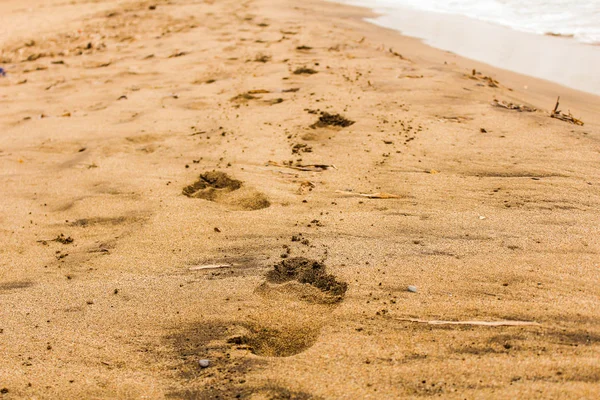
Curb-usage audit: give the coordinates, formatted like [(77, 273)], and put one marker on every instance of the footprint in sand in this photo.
[(219, 187), (299, 297), (294, 303)]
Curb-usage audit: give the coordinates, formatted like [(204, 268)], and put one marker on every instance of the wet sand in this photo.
[(561, 60), (351, 164)]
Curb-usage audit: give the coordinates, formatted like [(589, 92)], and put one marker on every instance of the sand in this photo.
[(125, 260)]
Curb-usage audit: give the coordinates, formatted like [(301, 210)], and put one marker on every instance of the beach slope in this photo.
[(257, 184)]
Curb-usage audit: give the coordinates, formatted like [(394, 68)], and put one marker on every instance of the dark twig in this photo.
[(556, 113)]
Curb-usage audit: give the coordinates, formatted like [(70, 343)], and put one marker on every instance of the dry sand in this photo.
[(495, 215)]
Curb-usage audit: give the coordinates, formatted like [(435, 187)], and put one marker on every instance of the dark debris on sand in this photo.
[(308, 271), (327, 119), (305, 71), (209, 182), (64, 239)]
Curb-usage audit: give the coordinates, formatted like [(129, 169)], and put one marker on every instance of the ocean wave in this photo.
[(579, 19)]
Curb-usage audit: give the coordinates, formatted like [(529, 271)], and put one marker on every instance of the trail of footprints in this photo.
[(293, 304)]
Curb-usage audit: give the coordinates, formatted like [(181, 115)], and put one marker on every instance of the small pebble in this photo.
[(204, 363), (412, 289)]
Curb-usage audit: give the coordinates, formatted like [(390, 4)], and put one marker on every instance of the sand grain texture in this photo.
[(110, 110)]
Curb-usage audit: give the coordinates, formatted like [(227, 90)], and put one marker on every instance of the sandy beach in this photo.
[(319, 207)]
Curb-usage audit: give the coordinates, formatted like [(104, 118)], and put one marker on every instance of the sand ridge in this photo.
[(387, 165)]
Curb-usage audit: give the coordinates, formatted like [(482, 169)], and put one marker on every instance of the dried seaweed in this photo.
[(307, 167), (512, 106), (478, 76)]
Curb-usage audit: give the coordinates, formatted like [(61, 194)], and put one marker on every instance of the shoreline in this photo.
[(524, 88), (557, 59), (166, 164), (541, 92)]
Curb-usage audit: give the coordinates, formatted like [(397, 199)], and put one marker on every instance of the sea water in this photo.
[(579, 19), (518, 35)]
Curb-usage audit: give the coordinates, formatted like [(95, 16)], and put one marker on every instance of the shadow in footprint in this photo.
[(277, 339), (208, 339), (219, 187), (228, 374)]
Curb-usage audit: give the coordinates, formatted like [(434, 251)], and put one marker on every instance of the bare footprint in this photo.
[(217, 186), (295, 302), (299, 297)]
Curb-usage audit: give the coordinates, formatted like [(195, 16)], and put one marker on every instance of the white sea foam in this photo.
[(577, 18), (508, 34)]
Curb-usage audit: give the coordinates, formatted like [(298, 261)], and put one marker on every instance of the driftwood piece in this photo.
[(512, 106), (209, 266), (556, 113), (473, 323), (400, 56), (370, 195), (478, 76)]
